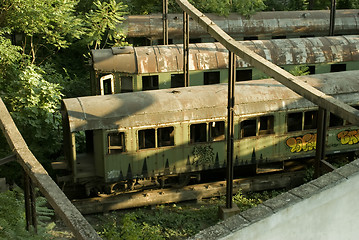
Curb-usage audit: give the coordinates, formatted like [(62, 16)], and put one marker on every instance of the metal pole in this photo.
[(321, 140), (185, 49), (30, 203), (230, 127), (165, 22), (332, 18)]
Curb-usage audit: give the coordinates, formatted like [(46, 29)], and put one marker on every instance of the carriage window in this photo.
[(216, 131), (149, 82), (243, 75), (248, 128), (146, 138), (338, 67), (198, 132), (126, 84), (177, 80), (279, 37), (116, 142), (107, 84), (335, 121), (294, 122), (311, 69), (266, 125), (165, 136), (310, 120), (211, 77), (250, 38)]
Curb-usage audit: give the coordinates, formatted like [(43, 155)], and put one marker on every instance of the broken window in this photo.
[(126, 84), (149, 82), (107, 85), (116, 142), (146, 138), (216, 131), (165, 136), (243, 75), (198, 132), (266, 125), (177, 80), (310, 120), (294, 121), (335, 121), (248, 128), (279, 37), (338, 67), (211, 77), (311, 69), (250, 38)]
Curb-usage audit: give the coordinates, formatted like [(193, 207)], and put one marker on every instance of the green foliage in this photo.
[(12, 217), (248, 7), (162, 223), (285, 5), (250, 200), (46, 25), (300, 70), (103, 23)]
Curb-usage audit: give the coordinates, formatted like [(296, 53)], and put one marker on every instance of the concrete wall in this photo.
[(326, 208)]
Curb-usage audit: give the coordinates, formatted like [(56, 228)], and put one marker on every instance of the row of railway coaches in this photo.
[(128, 69), (148, 29), (172, 132)]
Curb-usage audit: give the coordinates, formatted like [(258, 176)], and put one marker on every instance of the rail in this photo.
[(38, 175)]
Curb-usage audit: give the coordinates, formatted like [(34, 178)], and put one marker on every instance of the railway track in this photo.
[(192, 192)]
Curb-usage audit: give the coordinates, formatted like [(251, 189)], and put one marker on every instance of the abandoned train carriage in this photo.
[(182, 130), (130, 69), (148, 30)]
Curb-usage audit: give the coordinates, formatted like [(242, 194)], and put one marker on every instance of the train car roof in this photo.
[(205, 56), (200, 102), (273, 23)]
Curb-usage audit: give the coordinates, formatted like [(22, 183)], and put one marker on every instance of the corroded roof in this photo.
[(274, 23), (200, 102), (206, 56)]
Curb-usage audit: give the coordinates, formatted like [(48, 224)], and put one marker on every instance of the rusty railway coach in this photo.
[(147, 29), (178, 132), (130, 69)]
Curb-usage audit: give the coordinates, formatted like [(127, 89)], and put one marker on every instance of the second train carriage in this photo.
[(182, 131), (148, 30), (130, 69)]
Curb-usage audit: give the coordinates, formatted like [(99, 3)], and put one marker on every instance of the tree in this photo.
[(46, 25), (103, 24)]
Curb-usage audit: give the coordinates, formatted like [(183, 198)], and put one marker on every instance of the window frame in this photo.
[(156, 137), (258, 131), (208, 131), (116, 148)]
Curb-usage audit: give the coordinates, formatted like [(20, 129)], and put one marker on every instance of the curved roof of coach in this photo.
[(201, 102), (261, 23), (205, 56)]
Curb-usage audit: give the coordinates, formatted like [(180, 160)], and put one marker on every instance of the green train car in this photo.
[(130, 69), (132, 137)]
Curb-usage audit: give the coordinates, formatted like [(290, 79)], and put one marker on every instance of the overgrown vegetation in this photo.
[(172, 221), (12, 217)]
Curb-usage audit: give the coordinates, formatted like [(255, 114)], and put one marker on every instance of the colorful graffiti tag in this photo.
[(302, 143), (349, 137)]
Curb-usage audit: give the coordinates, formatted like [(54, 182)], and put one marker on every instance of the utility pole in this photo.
[(332, 18)]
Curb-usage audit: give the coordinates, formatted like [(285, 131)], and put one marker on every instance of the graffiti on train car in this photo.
[(203, 155), (304, 143), (348, 137)]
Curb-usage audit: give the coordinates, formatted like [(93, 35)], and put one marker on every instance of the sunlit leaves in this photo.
[(103, 23)]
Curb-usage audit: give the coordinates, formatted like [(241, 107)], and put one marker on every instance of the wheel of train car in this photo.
[(182, 180)]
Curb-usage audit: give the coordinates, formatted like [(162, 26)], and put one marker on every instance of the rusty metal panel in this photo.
[(104, 60), (206, 56), (354, 46), (201, 102), (146, 60)]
